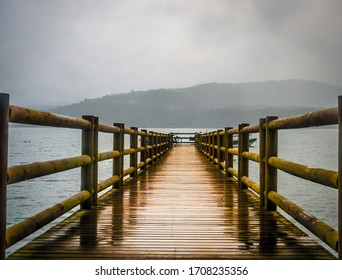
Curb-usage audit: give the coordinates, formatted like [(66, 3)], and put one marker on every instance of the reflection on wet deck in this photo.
[(181, 208)]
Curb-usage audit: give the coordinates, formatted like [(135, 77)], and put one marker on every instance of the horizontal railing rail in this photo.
[(153, 145), (217, 146), (179, 138)]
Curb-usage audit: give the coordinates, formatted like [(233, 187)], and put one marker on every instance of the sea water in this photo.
[(315, 147)]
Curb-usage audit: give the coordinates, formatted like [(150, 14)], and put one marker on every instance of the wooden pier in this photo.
[(173, 202), (181, 208)]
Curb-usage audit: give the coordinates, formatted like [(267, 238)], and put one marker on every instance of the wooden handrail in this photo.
[(325, 232), (158, 145), (30, 116), (317, 118), (24, 172), (269, 163), (108, 129), (23, 229), (318, 175)]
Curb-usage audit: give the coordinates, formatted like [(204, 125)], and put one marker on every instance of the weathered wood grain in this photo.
[(180, 208)]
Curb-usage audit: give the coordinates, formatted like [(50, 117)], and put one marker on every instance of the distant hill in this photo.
[(208, 105)]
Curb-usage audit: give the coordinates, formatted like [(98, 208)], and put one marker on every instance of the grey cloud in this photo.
[(58, 52)]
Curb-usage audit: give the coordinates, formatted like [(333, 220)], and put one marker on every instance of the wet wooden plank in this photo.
[(181, 208)]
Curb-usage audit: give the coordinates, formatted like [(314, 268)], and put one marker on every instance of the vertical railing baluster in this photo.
[(151, 143), (340, 177), (200, 141), (119, 145), (212, 144), (170, 141), (96, 160), (134, 157), (160, 140), (205, 144), (262, 145), (220, 154), (158, 144), (205, 140), (143, 155), (215, 151), (209, 143), (270, 172), (4, 119), (223, 156), (243, 162), (228, 144), (87, 172)]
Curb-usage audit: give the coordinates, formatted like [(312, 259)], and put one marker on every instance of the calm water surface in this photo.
[(314, 147)]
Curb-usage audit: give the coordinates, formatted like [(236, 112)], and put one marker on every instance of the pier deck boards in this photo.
[(183, 207)]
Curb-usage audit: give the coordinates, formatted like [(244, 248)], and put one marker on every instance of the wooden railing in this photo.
[(180, 138), (153, 145), (218, 147)]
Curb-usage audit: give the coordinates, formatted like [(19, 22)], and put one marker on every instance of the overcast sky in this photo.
[(55, 52)]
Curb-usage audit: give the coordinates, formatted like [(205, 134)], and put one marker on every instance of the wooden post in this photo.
[(157, 142), (262, 146), (170, 141), (151, 142), (158, 145), (220, 154), (200, 141), (270, 172), (243, 162), (87, 172), (118, 162), (228, 143), (340, 176), (215, 151), (212, 153), (134, 157), (196, 140), (206, 143), (166, 141), (4, 119), (205, 146), (96, 160), (143, 155)]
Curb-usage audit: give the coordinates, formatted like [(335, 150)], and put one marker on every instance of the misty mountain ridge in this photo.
[(208, 105)]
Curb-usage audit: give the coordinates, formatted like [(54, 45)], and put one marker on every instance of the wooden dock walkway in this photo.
[(182, 207)]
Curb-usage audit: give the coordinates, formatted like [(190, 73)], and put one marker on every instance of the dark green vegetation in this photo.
[(208, 105)]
